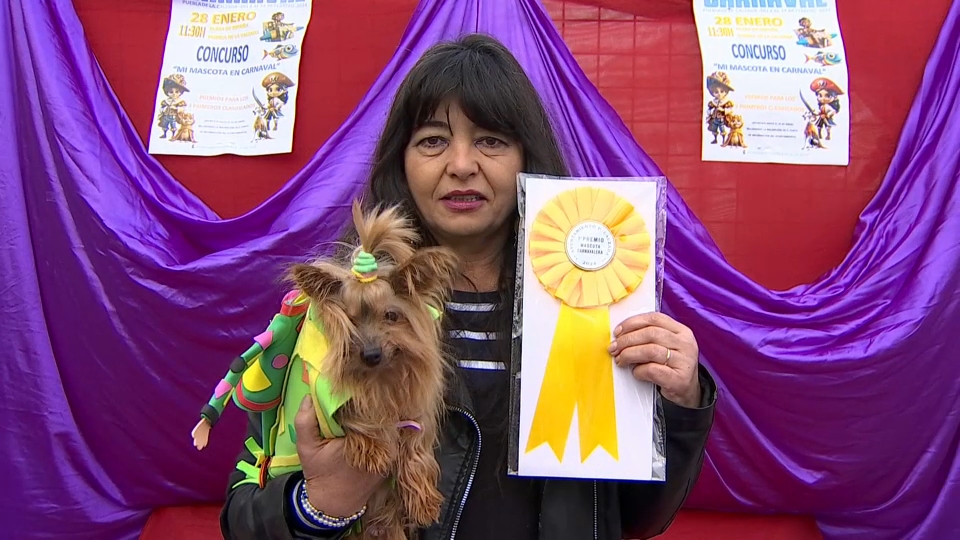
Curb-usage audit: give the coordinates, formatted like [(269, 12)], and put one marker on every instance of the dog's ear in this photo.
[(428, 273), (318, 281)]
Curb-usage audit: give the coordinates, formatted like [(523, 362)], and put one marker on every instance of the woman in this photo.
[(464, 122)]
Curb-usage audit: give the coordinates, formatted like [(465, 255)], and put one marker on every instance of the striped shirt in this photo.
[(498, 506)]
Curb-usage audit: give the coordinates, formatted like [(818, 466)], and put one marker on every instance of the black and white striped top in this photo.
[(498, 505), (472, 329), (471, 324)]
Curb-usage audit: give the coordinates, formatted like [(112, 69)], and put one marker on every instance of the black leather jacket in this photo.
[(570, 509)]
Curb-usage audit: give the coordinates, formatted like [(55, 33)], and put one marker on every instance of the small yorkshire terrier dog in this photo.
[(380, 314)]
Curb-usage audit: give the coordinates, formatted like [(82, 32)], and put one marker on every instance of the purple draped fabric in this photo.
[(124, 298)]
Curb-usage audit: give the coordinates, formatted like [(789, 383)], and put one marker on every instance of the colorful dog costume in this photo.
[(272, 377)]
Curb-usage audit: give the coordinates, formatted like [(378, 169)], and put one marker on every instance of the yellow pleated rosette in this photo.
[(589, 248)]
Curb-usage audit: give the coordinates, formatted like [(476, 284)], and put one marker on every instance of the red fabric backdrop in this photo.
[(780, 225)]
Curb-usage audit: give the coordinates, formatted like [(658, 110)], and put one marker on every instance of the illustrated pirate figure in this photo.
[(276, 85), (720, 107), (174, 86), (828, 105)]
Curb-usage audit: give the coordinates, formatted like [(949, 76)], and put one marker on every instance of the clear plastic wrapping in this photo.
[(589, 255)]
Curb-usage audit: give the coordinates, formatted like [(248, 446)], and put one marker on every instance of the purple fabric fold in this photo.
[(125, 298)]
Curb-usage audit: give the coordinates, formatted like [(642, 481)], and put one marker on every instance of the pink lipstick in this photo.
[(463, 201)]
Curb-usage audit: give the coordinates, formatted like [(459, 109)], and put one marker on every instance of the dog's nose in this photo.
[(371, 355)]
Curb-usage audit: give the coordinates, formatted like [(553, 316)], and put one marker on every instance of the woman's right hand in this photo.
[(333, 487)]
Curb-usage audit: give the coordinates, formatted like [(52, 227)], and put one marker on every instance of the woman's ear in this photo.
[(318, 281), (428, 274)]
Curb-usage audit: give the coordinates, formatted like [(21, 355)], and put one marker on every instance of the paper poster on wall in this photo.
[(775, 82), (229, 79)]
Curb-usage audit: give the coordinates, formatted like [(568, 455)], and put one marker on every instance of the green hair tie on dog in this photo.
[(364, 263)]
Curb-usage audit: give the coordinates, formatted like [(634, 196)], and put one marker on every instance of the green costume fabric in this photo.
[(273, 376)]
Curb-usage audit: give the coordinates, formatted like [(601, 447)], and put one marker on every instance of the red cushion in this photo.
[(202, 523)]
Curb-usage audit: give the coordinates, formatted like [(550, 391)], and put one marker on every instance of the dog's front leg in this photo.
[(384, 519), (417, 475), (374, 451)]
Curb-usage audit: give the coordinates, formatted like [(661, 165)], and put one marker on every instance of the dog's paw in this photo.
[(368, 455), (422, 504)]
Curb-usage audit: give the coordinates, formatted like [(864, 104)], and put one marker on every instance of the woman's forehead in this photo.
[(450, 116)]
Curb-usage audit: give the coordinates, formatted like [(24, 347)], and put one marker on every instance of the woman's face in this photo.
[(463, 178)]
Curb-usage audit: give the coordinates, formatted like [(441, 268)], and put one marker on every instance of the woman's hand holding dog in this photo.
[(333, 486), (660, 350)]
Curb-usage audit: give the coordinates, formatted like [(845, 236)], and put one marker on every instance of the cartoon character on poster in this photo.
[(735, 136), (821, 120), (811, 137), (276, 30), (825, 59), (185, 131), (808, 36), (725, 126), (281, 52), (276, 85), (260, 129), (171, 107)]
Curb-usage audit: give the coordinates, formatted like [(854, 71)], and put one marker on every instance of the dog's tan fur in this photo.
[(390, 312)]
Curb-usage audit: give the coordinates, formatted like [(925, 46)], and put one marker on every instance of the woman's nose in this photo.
[(462, 160)]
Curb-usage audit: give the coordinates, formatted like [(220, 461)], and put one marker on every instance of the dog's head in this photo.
[(380, 309)]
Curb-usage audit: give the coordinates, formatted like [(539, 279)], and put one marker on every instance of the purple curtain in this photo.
[(124, 298)]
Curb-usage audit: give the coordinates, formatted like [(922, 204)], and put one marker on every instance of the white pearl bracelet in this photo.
[(322, 519)]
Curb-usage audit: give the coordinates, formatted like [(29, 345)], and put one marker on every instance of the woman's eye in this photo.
[(491, 142), (432, 142), (391, 316)]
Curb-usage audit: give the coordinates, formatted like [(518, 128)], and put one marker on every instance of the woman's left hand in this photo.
[(660, 350)]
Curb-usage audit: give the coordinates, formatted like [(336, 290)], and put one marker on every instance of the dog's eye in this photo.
[(391, 316)]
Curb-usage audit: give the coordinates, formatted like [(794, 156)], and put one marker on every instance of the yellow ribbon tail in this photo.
[(596, 409), (557, 400), (579, 375)]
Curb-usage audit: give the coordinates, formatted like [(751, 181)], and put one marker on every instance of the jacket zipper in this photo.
[(596, 535), (473, 471)]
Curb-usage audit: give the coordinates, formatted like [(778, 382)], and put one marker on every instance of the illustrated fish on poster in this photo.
[(282, 52), (825, 59)]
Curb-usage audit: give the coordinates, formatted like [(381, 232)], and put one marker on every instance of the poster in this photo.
[(229, 78), (775, 87)]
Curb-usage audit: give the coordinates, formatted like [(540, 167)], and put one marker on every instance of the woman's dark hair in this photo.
[(486, 81)]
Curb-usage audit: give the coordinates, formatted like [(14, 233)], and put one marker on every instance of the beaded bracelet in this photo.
[(322, 519)]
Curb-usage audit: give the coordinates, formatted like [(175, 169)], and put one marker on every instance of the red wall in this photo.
[(780, 225)]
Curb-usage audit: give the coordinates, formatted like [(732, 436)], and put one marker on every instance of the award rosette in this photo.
[(589, 255), (589, 249)]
